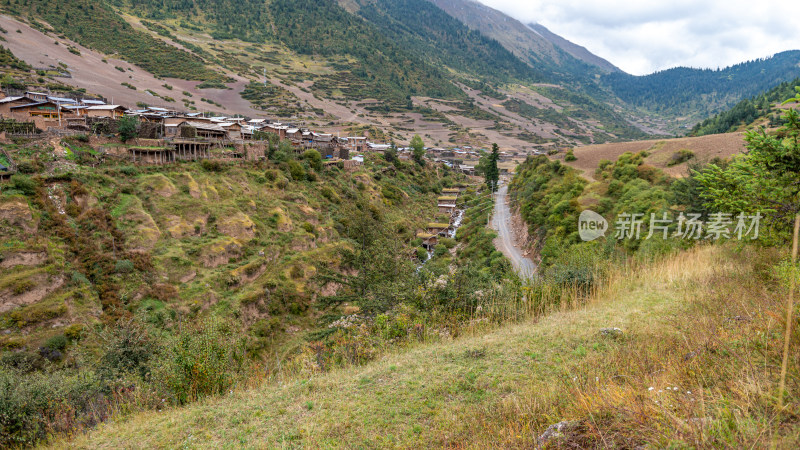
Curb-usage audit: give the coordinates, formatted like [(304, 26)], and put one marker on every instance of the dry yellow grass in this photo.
[(695, 366), (704, 147)]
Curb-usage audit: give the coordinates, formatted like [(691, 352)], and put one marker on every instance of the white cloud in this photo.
[(642, 37)]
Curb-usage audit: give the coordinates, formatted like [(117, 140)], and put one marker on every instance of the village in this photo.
[(167, 135)]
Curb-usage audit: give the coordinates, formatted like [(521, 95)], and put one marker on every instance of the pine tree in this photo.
[(492, 173)]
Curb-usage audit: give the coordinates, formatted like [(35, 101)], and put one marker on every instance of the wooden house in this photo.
[(447, 204), (36, 96), (438, 228), (110, 111), (429, 241), (8, 102), (208, 130)]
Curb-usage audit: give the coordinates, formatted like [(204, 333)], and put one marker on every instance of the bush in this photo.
[(271, 174), (681, 156), (128, 350), (35, 406), (296, 170), (127, 128), (314, 159), (330, 194), (447, 242), (199, 362), (24, 184), (57, 342), (570, 156), (211, 166), (123, 266), (26, 167)]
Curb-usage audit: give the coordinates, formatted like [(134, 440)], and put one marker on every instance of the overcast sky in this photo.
[(641, 37)]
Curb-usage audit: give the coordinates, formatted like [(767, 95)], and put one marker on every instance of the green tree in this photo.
[(314, 159), (766, 179), (296, 170), (374, 272), (491, 172), (418, 150), (127, 128), (390, 155)]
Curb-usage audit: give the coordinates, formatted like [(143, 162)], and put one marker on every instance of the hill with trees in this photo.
[(749, 111), (696, 93)]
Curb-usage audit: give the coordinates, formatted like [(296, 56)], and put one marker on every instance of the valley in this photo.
[(371, 223)]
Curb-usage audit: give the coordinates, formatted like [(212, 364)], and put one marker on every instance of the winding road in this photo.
[(505, 242)]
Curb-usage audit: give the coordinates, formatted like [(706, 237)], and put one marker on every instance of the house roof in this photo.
[(206, 126), (14, 99), (105, 107), (93, 102), (438, 225), (62, 100), (34, 104)]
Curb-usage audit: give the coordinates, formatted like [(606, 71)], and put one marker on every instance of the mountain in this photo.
[(466, 73), (696, 93), (764, 109), (533, 44), (573, 49)]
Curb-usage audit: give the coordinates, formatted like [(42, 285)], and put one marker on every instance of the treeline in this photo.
[(7, 59), (95, 25), (433, 35), (683, 90), (748, 111)]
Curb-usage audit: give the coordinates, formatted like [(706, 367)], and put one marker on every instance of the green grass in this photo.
[(504, 387)]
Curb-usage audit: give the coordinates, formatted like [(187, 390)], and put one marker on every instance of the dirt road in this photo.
[(505, 241)]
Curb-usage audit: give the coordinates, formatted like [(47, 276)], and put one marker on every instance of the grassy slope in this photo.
[(505, 387), (258, 237)]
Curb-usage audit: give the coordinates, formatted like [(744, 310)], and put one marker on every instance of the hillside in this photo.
[(672, 375), (357, 65), (573, 49), (693, 94), (535, 45), (763, 109), (661, 152)]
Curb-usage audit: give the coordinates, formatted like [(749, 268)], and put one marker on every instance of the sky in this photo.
[(644, 36)]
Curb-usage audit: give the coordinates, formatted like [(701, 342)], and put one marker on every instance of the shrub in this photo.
[(271, 174), (330, 194), (57, 342), (24, 184), (199, 362), (296, 170), (127, 128), (79, 278), (35, 406), (211, 166), (448, 242), (26, 167), (127, 350), (570, 156), (681, 156), (123, 266), (314, 159), (74, 332)]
